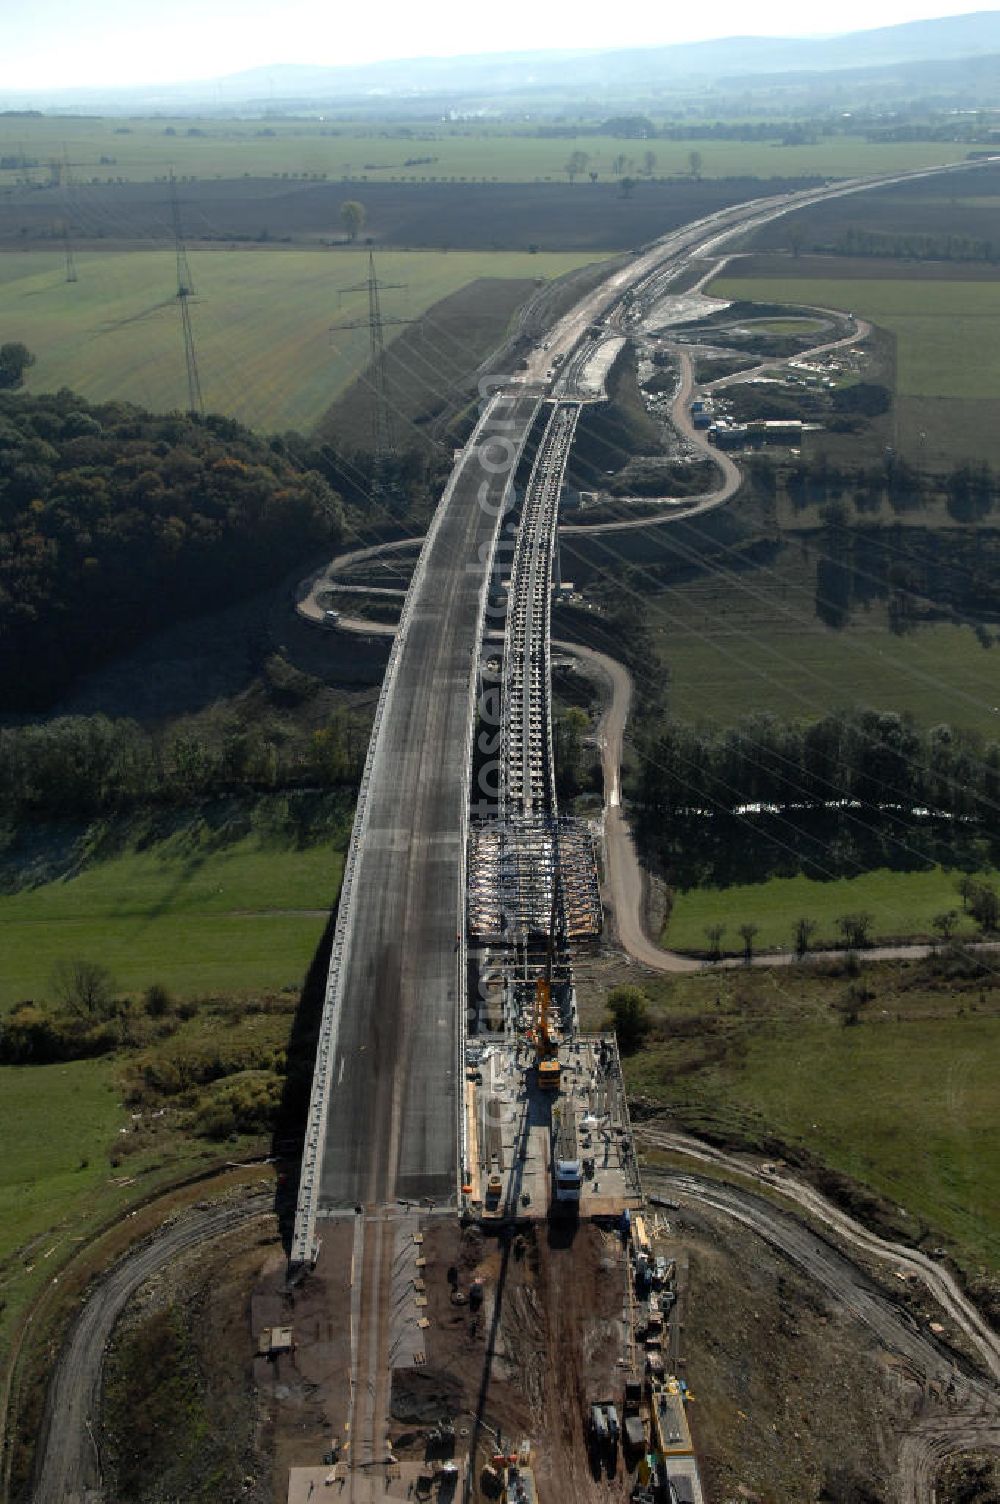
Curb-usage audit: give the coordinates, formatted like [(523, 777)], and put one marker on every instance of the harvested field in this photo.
[(414, 216), (429, 366), (783, 265), (953, 205)]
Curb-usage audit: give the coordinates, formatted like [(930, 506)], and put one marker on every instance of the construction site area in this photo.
[(530, 1362)]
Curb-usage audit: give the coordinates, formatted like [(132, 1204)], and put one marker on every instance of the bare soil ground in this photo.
[(546, 1342), (179, 1418), (942, 206), (414, 216), (303, 1395), (792, 1400)]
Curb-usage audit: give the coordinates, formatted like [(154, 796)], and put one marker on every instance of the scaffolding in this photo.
[(513, 868), (533, 888)]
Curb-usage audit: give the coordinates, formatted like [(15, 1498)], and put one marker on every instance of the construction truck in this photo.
[(632, 1422), (604, 1434), (567, 1172)]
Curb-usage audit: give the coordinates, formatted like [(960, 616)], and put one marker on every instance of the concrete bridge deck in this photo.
[(384, 1114)]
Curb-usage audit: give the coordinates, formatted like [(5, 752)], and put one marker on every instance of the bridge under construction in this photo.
[(451, 1072), (545, 1125)]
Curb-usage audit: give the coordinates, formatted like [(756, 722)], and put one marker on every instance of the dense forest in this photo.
[(115, 521), (91, 765)]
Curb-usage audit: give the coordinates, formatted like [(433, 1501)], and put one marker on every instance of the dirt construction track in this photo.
[(69, 1471)]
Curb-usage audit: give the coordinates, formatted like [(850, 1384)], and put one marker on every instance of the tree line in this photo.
[(92, 765), (912, 247), (115, 522), (877, 760)]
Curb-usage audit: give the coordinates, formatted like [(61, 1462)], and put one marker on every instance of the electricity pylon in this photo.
[(66, 182), (185, 292), (383, 438)]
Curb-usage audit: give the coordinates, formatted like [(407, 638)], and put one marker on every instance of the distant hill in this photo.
[(915, 41), (489, 79)]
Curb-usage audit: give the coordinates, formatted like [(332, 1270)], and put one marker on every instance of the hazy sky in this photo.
[(46, 44)]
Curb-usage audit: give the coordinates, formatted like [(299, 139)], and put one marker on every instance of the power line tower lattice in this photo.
[(383, 436), (185, 292), (66, 183)]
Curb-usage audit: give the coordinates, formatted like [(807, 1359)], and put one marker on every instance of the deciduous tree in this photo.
[(15, 360), (352, 217)]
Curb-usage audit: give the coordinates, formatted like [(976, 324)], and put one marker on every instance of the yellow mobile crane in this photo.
[(546, 1044)]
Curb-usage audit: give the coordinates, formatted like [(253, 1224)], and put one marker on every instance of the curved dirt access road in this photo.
[(932, 1443), (307, 602), (972, 1420), (651, 269), (680, 416), (67, 1467), (862, 329), (967, 1418), (627, 883), (685, 508), (938, 1282)]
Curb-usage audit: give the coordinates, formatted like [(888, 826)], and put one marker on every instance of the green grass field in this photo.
[(786, 326), (261, 321), (902, 903), (197, 919), (57, 1123), (61, 1118), (904, 1103), (735, 644), (947, 333), (142, 150)]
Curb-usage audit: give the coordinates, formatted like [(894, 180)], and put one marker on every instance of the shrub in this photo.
[(628, 1010)]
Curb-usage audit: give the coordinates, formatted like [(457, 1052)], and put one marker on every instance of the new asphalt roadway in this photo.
[(393, 1107)]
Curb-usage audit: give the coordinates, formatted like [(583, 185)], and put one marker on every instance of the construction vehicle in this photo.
[(546, 1044), (567, 1173), (670, 1434), (605, 1433), (632, 1422), (543, 1034)]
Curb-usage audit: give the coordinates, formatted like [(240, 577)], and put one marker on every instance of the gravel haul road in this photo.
[(67, 1466), (966, 1417)]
